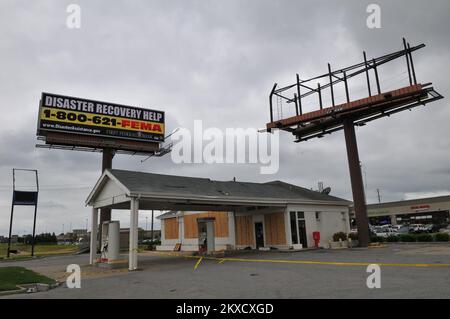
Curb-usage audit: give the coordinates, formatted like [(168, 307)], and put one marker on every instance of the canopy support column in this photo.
[(94, 227), (134, 217)]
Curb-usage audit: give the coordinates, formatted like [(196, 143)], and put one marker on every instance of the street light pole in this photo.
[(146, 220)]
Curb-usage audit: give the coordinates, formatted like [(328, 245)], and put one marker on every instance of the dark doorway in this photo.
[(298, 228), (259, 234), (302, 232)]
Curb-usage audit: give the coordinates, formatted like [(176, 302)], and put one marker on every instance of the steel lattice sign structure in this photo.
[(329, 119)]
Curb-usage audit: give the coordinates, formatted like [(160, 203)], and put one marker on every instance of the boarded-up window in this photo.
[(220, 224), (171, 228), (244, 230), (274, 229)]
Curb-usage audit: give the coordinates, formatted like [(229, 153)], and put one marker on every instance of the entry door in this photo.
[(202, 237), (259, 234), (206, 236), (210, 244), (302, 232)]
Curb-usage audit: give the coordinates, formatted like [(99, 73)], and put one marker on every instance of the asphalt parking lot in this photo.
[(407, 271)]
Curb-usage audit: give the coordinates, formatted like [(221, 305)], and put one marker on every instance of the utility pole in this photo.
[(379, 196)]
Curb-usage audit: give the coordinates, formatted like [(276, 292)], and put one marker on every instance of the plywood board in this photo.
[(171, 228), (220, 224), (275, 230), (244, 230)]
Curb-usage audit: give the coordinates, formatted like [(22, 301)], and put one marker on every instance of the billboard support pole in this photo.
[(34, 232), (12, 213), (35, 213), (362, 222), (19, 199), (10, 229), (105, 213)]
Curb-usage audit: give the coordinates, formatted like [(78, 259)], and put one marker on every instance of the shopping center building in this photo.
[(431, 210)]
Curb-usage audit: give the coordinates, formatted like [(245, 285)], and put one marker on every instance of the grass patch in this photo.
[(10, 277), (39, 250)]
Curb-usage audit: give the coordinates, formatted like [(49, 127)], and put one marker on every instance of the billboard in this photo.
[(66, 114)]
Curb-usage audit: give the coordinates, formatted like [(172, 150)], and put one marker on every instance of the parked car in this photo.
[(431, 228), (417, 228), (385, 232), (445, 230), (403, 229)]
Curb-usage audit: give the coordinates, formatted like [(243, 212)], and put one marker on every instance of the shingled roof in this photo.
[(150, 183)]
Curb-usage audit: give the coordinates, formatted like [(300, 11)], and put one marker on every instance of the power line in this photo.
[(48, 187)]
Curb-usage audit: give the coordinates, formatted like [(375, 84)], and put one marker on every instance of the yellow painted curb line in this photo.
[(330, 263), (198, 263)]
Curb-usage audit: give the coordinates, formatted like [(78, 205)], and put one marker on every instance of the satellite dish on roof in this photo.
[(326, 191)]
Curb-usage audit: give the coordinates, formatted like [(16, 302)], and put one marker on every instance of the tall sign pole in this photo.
[(35, 213), (23, 198), (105, 213), (12, 214), (356, 179)]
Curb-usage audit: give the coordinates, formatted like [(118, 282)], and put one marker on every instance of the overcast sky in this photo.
[(215, 61)]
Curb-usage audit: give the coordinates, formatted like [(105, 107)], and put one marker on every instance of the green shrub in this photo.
[(392, 239), (376, 239), (340, 235), (353, 236), (407, 238), (152, 245), (424, 237), (442, 237)]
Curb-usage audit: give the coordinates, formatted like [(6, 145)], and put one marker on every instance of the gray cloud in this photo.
[(215, 61)]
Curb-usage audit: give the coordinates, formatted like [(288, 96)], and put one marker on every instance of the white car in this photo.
[(385, 232), (417, 228)]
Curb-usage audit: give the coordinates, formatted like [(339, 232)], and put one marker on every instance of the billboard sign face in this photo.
[(65, 114), (25, 198)]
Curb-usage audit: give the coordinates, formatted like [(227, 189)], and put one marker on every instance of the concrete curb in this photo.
[(6, 260), (30, 288), (418, 243)]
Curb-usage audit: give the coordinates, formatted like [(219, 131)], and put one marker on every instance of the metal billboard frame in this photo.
[(24, 198)]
